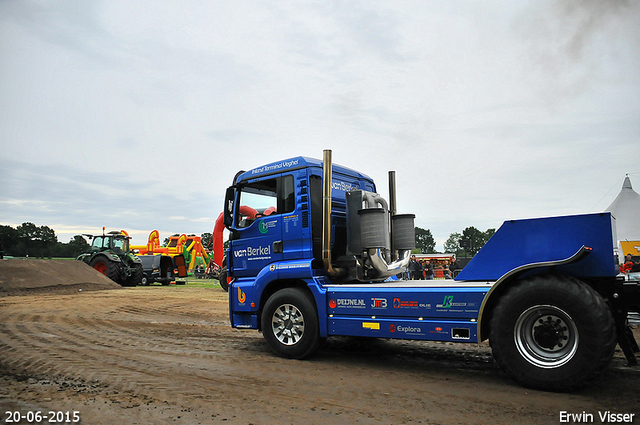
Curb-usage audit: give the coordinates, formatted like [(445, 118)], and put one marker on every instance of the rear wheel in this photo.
[(552, 333), (290, 323), (105, 266)]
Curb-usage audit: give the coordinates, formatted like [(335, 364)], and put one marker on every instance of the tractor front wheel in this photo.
[(223, 277), (136, 277)]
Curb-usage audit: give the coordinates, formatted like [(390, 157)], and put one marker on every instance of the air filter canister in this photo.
[(373, 223), (404, 232)]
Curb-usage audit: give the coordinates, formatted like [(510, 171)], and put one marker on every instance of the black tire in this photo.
[(106, 266), (136, 276), (223, 278), (145, 280), (290, 323), (552, 333)]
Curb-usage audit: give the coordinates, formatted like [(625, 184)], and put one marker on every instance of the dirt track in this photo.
[(167, 355)]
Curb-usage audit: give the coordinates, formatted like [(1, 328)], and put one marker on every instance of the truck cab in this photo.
[(274, 213)]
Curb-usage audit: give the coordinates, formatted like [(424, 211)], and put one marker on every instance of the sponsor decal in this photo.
[(343, 186), (242, 297), (448, 303), (370, 325), (406, 329), (409, 329), (274, 167), (258, 253), (399, 303), (350, 303), (378, 303), (438, 329), (272, 267), (333, 303), (264, 226), (293, 266)]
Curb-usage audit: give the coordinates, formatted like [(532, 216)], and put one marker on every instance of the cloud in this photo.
[(129, 113)]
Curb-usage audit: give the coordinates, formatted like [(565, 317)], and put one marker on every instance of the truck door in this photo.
[(257, 235)]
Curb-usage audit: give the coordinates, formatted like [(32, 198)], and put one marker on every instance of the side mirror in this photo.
[(229, 201)]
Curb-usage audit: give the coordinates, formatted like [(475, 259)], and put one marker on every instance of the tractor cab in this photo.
[(112, 241)]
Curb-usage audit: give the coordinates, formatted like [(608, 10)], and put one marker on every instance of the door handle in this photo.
[(277, 247)]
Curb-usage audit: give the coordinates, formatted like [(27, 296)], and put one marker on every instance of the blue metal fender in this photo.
[(519, 243)]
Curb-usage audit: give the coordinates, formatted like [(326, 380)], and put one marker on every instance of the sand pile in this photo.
[(42, 276)]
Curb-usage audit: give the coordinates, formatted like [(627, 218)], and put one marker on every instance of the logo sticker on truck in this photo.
[(399, 303), (406, 329), (275, 167), (378, 303), (258, 253), (347, 303), (447, 302), (344, 186), (242, 297), (264, 226)]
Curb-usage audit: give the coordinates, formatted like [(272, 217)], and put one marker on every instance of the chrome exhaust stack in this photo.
[(327, 173)]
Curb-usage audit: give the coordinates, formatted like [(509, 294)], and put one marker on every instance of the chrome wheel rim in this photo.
[(546, 336), (287, 324)]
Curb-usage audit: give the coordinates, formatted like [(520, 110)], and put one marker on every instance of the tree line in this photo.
[(464, 244), (34, 241), (29, 240)]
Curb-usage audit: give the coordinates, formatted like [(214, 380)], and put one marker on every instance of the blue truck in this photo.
[(314, 252)]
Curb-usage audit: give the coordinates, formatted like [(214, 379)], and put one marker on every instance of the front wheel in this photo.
[(552, 333), (136, 277), (290, 323), (223, 277)]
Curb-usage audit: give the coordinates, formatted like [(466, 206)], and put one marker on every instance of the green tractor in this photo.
[(110, 255)]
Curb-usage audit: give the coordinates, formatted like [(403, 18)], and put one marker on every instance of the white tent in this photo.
[(626, 209)]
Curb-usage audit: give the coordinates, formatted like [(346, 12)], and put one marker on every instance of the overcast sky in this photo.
[(136, 115)]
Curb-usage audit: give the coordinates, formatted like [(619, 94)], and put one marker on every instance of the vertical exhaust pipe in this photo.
[(392, 210), (327, 173), (327, 170)]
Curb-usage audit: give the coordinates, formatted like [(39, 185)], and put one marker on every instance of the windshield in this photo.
[(120, 244)]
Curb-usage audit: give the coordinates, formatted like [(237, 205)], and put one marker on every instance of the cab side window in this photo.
[(96, 245), (265, 198)]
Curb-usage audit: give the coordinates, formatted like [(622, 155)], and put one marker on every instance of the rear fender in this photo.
[(510, 278), (111, 256)]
